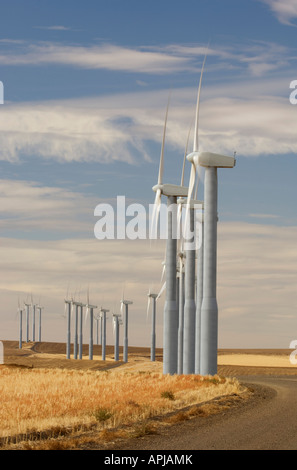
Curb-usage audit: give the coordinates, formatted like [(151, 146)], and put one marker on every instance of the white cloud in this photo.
[(284, 10), (106, 56), (54, 28), (118, 128), (26, 206)]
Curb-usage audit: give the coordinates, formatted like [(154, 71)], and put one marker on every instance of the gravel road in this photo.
[(267, 422)]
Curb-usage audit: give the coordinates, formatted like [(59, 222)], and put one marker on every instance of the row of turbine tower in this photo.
[(31, 310), (74, 312), (74, 315), (190, 319)]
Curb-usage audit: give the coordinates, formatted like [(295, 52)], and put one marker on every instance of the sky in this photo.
[(86, 85)]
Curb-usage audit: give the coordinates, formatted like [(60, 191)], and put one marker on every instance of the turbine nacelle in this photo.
[(209, 159), (171, 190), (127, 302), (153, 296), (193, 203)]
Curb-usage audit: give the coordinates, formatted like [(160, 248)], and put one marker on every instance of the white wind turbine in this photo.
[(209, 309), (69, 306), (39, 308), (90, 311), (97, 328), (27, 320), (33, 305), (75, 339), (153, 332), (20, 314), (170, 317), (103, 312), (125, 303), (116, 329)]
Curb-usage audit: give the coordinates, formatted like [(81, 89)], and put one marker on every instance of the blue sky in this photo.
[(85, 91)]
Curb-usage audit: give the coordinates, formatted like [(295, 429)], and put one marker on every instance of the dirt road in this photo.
[(267, 423)]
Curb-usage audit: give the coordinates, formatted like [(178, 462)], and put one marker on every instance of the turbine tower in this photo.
[(20, 312), (80, 346), (103, 312), (209, 309), (75, 339), (90, 309), (69, 304), (39, 308), (125, 351), (170, 317), (180, 340), (199, 294), (33, 318), (27, 322), (153, 337), (116, 329)]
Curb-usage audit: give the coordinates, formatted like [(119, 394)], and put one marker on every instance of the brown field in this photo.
[(51, 402)]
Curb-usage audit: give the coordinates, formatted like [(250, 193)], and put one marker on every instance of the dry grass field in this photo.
[(48, 401)]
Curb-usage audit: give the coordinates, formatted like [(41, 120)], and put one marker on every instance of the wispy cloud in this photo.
[(119, 127), (264, 216), (284, 10), (107, 56), (256, 58), (27, 206), (54, 28)]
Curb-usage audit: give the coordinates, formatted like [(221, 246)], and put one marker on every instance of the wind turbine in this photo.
[(20, 312), (153, 336), (97, 328), (33, 318), (170, 317), (209, 309), (39, 308), (125, 315), (80, 346), (116, 329), (69, 304), (90, 310), (103, 312), (27, 321), (75, 339)]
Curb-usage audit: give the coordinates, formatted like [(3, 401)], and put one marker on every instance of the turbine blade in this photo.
[(163, 272), (148, 306), (185, 155), (156, 212), (161, 165), (196, 144), (161, 291)]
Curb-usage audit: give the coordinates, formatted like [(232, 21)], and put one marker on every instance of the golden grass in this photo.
[(58, 401)]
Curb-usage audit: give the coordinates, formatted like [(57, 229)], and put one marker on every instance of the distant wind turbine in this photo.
[(90, 310), (116, 330), (33, 318), (125, 316), (103, 312), (27, 321), (75, 339), (69, 305), (20, 314), (153, 334), (39, 308)]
